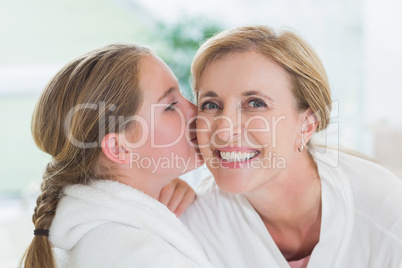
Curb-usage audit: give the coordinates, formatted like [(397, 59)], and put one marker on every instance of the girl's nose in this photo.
[(190, 110), (190, 116)]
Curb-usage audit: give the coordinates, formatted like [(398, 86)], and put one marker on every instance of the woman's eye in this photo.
[(257, 103), (209, 106), (171, 106)]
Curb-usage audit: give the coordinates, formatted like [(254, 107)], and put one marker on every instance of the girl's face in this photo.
[(247, 127), (162, 142)]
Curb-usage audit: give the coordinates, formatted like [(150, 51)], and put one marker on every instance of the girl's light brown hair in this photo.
[(307, 75), (77, 108)]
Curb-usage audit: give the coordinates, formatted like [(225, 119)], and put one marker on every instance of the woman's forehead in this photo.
[(240, 72)]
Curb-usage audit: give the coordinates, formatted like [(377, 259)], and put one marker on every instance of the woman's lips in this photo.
[(236, 157)]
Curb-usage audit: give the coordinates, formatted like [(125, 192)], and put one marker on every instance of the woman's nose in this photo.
[(227, 128)]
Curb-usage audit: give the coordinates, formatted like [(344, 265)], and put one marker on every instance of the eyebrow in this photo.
[(246, 94), (167, 92), (256, 92), (208, 94)]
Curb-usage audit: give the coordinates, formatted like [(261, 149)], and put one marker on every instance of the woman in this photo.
[(113, 121), (275, 202)]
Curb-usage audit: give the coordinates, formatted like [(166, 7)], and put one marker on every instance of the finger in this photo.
[(167, 193), (177, 197), (187, 200)]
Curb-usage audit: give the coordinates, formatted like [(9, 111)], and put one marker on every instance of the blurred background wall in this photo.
[(359, 42)]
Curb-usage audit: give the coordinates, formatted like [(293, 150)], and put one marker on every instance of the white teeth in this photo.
[(237, 156), (233, 156)]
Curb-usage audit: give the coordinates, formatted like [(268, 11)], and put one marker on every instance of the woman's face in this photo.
[(162, 140), (247, 127)]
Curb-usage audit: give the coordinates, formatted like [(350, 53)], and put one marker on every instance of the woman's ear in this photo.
[(114, 150), (309, 127)]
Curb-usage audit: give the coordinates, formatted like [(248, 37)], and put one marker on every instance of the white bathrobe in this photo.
[(361, 220), (108, 224)]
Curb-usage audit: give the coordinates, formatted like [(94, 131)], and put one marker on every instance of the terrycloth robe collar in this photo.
[(85, 207), (336, 222)]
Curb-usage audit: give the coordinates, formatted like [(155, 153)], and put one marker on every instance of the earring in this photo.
[(301, 148)]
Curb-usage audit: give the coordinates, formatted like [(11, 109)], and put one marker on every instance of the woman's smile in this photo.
[(236, 157)]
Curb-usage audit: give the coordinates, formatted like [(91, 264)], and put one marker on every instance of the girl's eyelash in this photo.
[(171, 106)]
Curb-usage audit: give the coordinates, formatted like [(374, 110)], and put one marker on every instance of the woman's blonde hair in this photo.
[(76, 109), (307, 75)]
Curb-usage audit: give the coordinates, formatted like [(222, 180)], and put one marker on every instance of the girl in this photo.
[(114, 123)]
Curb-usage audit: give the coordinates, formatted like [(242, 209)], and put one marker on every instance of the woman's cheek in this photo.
[(258, 132)]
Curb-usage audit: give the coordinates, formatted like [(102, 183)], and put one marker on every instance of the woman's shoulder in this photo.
[(367, 175), (370, 182), (377, 195), (358, 169)]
